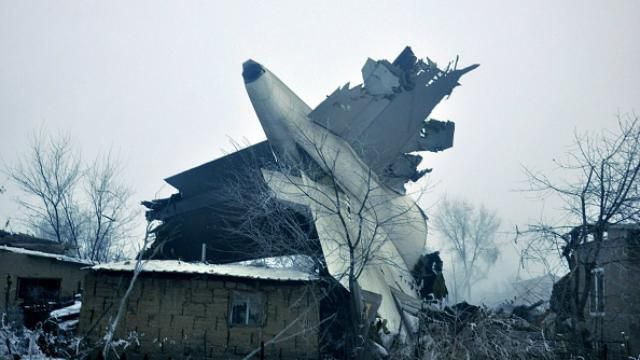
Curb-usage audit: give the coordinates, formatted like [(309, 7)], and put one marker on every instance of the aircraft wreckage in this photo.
[(347, 161)]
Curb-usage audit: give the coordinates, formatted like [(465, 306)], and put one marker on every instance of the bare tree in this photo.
[(114, 321), (111, 218), (8, 221), (84, 207), (598, 186), (472, 233), (48, 174)]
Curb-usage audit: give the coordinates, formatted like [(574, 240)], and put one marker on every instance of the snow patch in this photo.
[(67, 311), (232, 270)]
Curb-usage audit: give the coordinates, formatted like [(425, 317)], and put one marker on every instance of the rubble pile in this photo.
[(465, 331)]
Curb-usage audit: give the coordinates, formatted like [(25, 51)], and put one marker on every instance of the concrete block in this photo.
[(191, 309), (215, 284), (182, 322), (201, 296)]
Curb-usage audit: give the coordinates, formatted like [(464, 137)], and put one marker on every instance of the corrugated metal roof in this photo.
[(232, 270), (58, 257)]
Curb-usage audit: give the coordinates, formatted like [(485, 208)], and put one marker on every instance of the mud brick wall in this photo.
[(181, 315)]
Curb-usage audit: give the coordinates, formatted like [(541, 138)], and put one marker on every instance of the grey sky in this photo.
[(159, 82)]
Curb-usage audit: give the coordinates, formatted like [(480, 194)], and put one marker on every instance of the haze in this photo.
[(159, 82)]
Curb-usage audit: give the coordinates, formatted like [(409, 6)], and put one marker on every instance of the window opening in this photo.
[(38, 290), (596, 297), (247, 309)]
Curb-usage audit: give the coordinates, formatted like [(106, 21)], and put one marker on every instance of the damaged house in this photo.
[(199, 295), (37, 276), (179, 309), (605, 278)]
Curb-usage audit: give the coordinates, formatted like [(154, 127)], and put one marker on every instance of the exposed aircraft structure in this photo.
[(356, 149)]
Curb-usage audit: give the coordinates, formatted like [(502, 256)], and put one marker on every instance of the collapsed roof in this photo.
[(207, 210)]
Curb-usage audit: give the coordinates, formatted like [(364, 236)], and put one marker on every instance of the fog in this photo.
[(159, 84)]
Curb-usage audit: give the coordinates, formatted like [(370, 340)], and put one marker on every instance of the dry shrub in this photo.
[(481, 335)]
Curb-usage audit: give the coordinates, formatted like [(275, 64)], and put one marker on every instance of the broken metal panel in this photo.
[(408, 303), (435, 135), (378, 79), (396, 99), (404, 169), (373, 301), (372, 279), (406, 60), (403, 118), (364, 118), (348, 111)]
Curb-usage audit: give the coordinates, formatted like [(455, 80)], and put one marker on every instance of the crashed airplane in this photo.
[(347, 161), (359, 140)]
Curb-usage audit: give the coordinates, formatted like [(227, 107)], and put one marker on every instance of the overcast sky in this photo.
[(160, 82)]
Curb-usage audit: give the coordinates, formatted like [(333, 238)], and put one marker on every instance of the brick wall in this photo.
[(178, 315)]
